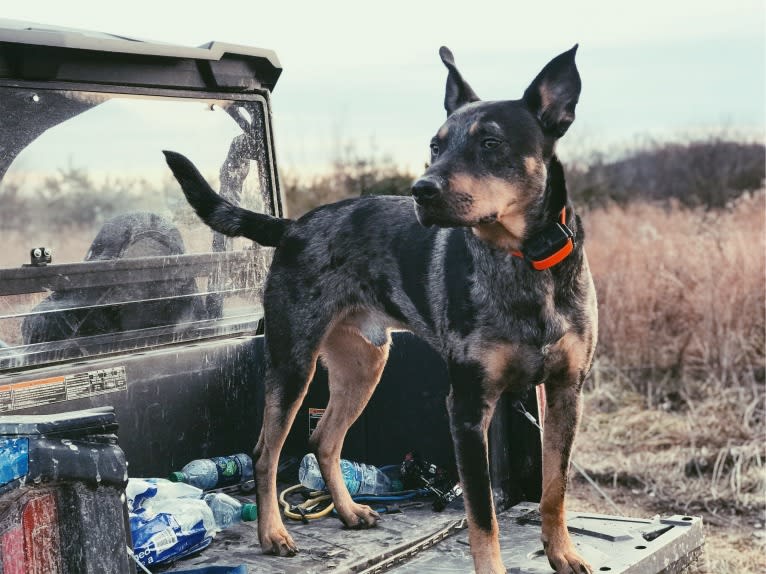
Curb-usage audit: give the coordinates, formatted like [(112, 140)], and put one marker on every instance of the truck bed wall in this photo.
[(206, 399)]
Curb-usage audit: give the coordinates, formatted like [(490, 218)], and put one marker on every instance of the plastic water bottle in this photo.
[(228, 510), (359, 478), (215, 472), (142, 492)]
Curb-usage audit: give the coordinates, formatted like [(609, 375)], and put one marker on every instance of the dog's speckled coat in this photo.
[(346, 274)]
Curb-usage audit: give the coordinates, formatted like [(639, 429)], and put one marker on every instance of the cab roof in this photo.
[(30, 52)]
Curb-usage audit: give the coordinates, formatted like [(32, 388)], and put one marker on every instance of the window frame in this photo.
[(104, 273)]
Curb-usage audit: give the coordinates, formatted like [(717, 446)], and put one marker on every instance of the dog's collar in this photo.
[(550, 246)]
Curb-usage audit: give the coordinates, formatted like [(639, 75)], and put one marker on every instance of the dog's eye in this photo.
[(490, 143), (434, 149)]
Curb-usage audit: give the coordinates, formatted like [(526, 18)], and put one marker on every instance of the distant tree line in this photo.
[(708, 173), (72, 198)]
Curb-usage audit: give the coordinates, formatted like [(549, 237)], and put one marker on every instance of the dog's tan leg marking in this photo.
[(563, 411), (272, 534), (495, 360), (354, 367), (485, 549)]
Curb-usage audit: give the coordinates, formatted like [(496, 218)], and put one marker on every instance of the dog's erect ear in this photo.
[(458, 92), (553, 94)]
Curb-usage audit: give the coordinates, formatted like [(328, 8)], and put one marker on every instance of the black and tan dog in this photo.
[(487, 266)]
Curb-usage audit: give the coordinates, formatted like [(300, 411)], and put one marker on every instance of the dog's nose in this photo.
[(424, 190)]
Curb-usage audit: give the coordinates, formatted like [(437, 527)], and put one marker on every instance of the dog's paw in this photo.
[(277, 542), (358, 517), (496, 568), (562, 556), (568, 561)]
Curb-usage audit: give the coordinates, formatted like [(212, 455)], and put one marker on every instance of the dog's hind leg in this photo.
[(355, 366), (288, 374)]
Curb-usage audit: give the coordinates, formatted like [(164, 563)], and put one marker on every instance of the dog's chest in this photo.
[(559, 348), (515, 364), (517, 345)]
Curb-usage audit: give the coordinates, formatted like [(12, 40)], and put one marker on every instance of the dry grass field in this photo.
[(675, 420)]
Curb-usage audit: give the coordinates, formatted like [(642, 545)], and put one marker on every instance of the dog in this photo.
[(487, 265)]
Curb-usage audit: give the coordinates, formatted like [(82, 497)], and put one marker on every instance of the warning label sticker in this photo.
[(64, 388), (314, 416)]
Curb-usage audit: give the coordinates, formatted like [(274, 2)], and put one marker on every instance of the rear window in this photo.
[(83, 179)]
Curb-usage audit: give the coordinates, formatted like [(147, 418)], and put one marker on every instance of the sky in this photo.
[(369, 74)]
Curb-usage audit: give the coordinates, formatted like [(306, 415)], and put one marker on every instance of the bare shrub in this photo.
[(352, 174)]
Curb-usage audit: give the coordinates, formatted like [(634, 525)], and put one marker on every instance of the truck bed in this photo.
[(418, 540)]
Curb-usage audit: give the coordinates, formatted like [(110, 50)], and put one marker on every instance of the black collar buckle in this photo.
[(549, 247)]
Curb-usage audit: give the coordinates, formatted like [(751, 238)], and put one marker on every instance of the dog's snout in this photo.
[(424, 190)]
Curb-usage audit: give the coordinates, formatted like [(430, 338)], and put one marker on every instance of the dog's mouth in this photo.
[(425, 216), (443, 216), (487, 219), (432, 215)]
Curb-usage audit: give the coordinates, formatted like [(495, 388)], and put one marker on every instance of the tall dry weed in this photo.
[(677, 393), (681, 296)]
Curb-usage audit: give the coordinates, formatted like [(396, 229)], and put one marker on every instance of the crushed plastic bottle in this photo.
[(359, 478), (209, 473), (169, 529), (228, 510), (169, 520), (141, 492)]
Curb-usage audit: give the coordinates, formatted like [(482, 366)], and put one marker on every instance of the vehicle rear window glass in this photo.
[(83, 180)]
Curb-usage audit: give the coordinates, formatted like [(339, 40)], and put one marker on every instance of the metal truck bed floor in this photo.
[(325, 546), (400, 544)]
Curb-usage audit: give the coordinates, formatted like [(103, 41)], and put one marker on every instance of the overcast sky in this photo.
[(370, 73)]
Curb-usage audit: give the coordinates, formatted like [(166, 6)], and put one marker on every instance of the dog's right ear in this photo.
[(458, 92), (553, 94)]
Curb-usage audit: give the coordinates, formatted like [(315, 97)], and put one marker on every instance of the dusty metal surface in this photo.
[(325, 546), (611, 544)]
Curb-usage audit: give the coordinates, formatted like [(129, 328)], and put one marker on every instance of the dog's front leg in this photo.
[(470, 405), (561, 419)]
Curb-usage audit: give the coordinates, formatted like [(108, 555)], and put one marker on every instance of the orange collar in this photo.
[(550, 246)]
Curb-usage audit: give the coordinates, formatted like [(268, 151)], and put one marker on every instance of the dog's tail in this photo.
[(220, 214)]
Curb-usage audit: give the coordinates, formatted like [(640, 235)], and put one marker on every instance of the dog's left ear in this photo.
[(553, 94), (458, 92)]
